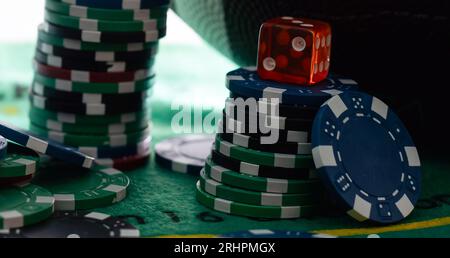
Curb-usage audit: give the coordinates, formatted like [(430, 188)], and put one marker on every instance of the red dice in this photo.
[(294, 50)]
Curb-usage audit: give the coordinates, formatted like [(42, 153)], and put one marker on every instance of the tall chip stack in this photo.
[(93, 73)]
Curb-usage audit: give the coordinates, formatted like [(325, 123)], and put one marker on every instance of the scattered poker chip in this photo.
[(75, 188), (220, 190), (107, 129), (145, 26), (3, 147), (119, 4), (278, 160), (127, 163), (19, 162), (233, 126), (11, 181), (88, 76), (260, 170), (76, 224), (91, 46), (366, 157), (268, 233), (106, 14), (260, 121), (83, 65), (247, 210), (99, 56), (246, 82), (89, 120), (117, 152), (185, 153), (93, 36), (95, 88), (44, 146), (261, 184), (53, 104), (112, 140), (87, 98), (24, 205), (264, 106)]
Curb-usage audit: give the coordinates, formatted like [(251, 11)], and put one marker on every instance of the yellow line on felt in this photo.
[(401, 227)]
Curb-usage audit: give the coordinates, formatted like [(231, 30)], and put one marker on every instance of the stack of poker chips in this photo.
[(93, 73), (261, 163)]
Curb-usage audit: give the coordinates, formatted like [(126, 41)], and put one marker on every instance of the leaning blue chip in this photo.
[(119, 4), (3, 147), (44, 146), (246, 82), (366, 157), (268, 233)]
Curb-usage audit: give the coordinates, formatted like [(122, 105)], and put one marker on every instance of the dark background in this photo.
[(397, 50)]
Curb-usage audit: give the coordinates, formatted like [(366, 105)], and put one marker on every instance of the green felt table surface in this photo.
[(166, 200)]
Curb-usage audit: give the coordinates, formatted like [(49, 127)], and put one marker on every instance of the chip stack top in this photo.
[(93, 73)]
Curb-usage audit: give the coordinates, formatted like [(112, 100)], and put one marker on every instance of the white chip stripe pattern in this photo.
[(12, 219), (30, 165), (64, 202)]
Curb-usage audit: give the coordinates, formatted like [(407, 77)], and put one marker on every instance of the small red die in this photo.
[(294, 50)]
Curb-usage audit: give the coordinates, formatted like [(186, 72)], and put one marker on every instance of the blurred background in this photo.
[(185, 63)]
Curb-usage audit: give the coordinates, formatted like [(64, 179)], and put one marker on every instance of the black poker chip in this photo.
[(260, 170), (76, 224), (86, 65), (292, 111), (99, 56), (56, 105), (103, 37), (76, 97)]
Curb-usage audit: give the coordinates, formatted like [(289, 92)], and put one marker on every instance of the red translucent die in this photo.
[(294, 50)]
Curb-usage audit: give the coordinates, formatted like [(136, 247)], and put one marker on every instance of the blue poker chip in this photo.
[(45, 146), (117, 152), (246, 82), (268, 233), (366, 157), (3, 147), (119, 4)]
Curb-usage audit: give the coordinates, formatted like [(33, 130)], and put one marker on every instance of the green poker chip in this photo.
[(158, 12), (113, 140), (263, 158), (108, 129), (24, 205), (255, 211), (77, 188), (261, 184), (220, 190), (70, 118), (101, 25), (19, 162)]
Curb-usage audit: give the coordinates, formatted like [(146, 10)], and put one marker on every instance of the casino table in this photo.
[(161, 203)]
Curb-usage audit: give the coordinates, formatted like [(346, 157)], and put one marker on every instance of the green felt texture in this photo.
[(157, 193)]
